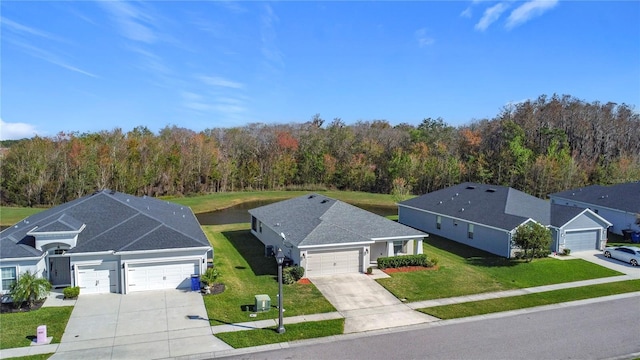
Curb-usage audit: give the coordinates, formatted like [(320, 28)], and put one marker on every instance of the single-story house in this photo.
[(327, 236), (107, 242), (487, 216), (619, 204)]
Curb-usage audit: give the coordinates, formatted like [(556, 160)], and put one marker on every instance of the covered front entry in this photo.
[(161, 275), (98, 279), (331, 262), (59, 271), (581, 240)]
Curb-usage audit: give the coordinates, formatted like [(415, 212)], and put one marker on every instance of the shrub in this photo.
[(404, 260), (71, 292), (296, 271), (369, 270), (29, 288), (287, 276), (210, 275)]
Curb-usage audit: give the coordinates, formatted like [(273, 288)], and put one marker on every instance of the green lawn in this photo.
[(246, 272), (18, 329), (525, 301), (465, 270), (11, 215), (308, 330)]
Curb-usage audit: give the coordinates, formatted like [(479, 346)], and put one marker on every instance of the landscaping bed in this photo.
[(409, 269)]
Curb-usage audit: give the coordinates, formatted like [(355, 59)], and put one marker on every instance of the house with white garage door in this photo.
[(487, 216), (327, 236), (107, 242)]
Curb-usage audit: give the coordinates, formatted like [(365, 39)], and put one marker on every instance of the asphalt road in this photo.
[(601, 330)]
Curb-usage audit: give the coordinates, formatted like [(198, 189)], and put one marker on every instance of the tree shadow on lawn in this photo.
[(471, 255), (252, 250)]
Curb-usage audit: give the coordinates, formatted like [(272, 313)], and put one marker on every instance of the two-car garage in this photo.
[(104, 277), (162, 275), (333, 262), (582, 240)]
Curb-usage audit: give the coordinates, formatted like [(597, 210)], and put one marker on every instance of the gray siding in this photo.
[(488, 239), (620, 219)]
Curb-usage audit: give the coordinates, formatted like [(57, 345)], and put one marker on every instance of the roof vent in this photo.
[(112, 192), (470, 187), (457, 194), (469, 201), (324, 201), (461, 210), (491, 190), (127, 200), (311, 196), (440, 202)]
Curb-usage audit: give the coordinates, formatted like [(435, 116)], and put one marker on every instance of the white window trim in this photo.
[(15, 276)]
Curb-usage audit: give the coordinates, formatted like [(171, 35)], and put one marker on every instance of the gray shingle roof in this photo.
[(114, 222), (561, 214), (625, 197), (319, 220), (497, 206)]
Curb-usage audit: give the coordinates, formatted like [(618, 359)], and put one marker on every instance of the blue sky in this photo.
[(91, 66)]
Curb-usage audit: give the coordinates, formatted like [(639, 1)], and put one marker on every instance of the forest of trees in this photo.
[(539, 146)]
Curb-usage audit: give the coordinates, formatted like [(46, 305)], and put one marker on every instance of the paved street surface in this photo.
[(596, 330)]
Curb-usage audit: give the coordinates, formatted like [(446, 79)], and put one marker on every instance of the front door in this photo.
[(59, 271)]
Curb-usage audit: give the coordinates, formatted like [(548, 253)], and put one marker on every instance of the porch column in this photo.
[(390, 248), (417, 246)]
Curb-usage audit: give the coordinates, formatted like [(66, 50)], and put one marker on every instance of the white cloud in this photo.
[(528, 10), (50, 57), (467, 13), (424, 39), (221, 82), (490, 16), (270, 49), (16, 131), (132, 22), (23, 29)]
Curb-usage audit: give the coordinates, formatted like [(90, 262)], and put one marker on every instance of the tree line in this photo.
[(538, 146)]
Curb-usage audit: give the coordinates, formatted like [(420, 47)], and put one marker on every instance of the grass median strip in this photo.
[(300, 331), (531, 300)]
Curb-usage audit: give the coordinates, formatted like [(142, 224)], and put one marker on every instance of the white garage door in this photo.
[(163, 275), (581, 240), (333, 262), (98, 279)]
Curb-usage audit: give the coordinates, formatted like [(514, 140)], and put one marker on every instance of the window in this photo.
[(470, 231), (397, 247), (438, 222), (254, 224), (8, 275), (260, 226)]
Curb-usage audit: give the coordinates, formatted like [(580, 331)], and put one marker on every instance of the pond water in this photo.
[(238, 213)]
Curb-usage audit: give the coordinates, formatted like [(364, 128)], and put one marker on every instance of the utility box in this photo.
[(41, 334), (263, 303)]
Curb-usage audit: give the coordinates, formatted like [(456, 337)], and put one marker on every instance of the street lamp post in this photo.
[(280, 260)]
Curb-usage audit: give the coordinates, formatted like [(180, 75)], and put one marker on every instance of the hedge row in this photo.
[(405, 260)]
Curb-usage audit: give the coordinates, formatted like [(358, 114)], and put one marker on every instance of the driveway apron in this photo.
[(144, 325), (365, 304)]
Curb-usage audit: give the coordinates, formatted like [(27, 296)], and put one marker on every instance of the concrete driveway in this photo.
[(145, 325), (365, 304)]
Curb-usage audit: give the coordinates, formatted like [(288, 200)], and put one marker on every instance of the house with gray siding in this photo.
[(619, 204), (107, 242), (327, 236), (487, 216)]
